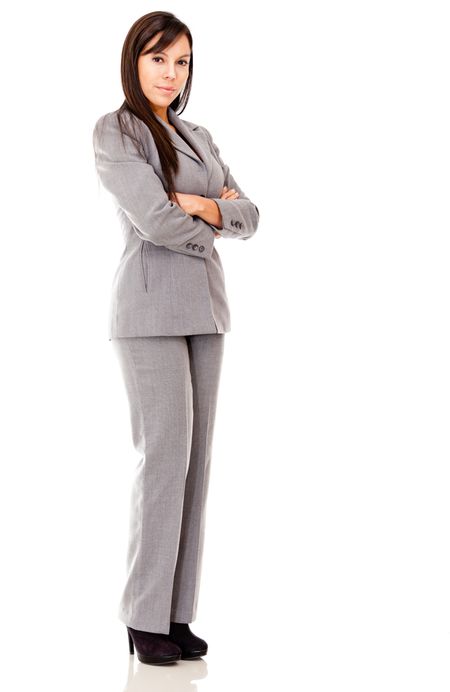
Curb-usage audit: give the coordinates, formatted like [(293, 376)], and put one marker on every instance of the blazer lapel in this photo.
[(188, 133)]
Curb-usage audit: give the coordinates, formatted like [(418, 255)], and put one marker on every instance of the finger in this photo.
[(229, 193)]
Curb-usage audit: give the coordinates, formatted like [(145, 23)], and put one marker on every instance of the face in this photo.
[(169, 69)]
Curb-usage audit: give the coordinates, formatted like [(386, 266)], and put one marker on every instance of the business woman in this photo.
[(174, 197)]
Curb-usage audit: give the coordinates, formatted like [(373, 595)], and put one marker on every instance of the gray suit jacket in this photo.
[(170, 279)]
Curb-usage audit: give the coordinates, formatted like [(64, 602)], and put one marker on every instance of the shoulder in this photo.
[(119, 128), (112, 121), (119, 132), (106, 118)]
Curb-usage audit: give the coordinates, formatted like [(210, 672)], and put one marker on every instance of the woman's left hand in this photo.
[(189, 203), (194, 204)]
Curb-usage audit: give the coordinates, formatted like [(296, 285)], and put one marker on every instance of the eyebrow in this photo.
[(162, 52)]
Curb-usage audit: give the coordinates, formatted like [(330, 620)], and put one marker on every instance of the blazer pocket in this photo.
[(144, 265)]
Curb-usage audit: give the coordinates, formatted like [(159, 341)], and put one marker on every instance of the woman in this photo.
[(169, 313)]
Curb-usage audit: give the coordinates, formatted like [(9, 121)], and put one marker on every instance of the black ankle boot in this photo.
[(190, 645), (153, 647)]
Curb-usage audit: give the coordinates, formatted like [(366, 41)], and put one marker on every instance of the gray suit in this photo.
[(169, 314), (170, 279)]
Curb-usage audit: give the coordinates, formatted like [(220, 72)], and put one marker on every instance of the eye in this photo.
[(180, 61)]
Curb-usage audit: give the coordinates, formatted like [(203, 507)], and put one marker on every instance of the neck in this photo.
[(162, 113)]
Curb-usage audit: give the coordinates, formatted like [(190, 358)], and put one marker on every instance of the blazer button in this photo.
[(189, 245), (201, 248), (195, 246)]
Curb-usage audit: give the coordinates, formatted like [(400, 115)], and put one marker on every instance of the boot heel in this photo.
[(152, 647), (130, 643)]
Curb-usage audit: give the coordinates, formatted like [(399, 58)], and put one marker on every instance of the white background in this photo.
[(326, 559)]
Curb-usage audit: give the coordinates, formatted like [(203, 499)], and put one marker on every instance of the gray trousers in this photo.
[(172, 385)]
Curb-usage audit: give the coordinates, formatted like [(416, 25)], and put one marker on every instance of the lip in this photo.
[(168, 90)]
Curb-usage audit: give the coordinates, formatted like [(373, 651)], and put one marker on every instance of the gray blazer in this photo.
[(170, 279)]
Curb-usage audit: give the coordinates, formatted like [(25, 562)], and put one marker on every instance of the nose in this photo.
[(170, 72)]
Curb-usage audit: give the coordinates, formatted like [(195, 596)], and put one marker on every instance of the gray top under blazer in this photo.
[(170, 279)]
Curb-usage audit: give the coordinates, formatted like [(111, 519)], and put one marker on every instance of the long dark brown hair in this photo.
[(140, 33)]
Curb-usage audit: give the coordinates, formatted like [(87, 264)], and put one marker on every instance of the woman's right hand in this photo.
[(227, 194)]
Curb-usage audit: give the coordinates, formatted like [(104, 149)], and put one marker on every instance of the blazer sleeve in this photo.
[(138, 190), (240, 217)]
